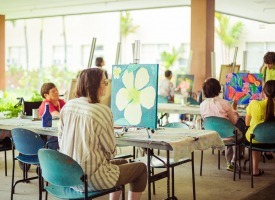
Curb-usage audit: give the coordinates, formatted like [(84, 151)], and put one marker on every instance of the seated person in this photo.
[(215, 106), (258, 112), (86, 134), (50, 94), (166, 89)]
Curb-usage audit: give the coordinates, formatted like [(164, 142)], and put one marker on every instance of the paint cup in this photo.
[(35, 113)]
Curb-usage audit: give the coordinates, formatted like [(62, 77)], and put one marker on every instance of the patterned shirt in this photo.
[(86, 134), (166, 88), (218, 107)]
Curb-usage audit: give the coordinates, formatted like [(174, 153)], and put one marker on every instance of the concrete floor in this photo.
[(214, 184)]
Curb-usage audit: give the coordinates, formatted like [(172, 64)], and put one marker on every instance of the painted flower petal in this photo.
[(116, 72), (142, 78), (147, 97), (121, 99), (128, 79), (133, 113)]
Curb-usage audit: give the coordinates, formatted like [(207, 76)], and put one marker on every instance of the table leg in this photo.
[(193, 176), (149, 173)]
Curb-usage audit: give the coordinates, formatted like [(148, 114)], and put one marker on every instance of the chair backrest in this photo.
[(221, 125), (28, 106), (59, 169), (177, 125), (192, 101), (26, 141), (162, 99), (265, 132)]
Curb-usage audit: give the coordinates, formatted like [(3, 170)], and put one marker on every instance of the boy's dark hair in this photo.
[(211, 88), (269, 58), (168, 73), (45, 89), (98, 61)]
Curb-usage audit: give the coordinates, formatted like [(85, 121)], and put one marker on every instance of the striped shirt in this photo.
[(86, 134)]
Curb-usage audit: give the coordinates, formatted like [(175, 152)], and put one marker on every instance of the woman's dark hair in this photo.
[(98, 61), (211, 88), (269, 90), (269, 58), (45, 89), (167, 73), (88, 83)]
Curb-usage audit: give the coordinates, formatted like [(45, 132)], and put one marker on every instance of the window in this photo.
[(16, 56), (85, 54), (255, 54), (59, 56)]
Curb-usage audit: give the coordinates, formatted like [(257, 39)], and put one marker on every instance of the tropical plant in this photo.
[(168, 59), (126, 28), (126, 24), (229, 34)]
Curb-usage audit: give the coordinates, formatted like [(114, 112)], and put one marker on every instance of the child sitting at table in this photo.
[(215, 106)]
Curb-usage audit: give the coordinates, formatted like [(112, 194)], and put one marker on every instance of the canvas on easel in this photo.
[(71, 92), (184, 83), (243, 87), (225, 69), (134, 95)]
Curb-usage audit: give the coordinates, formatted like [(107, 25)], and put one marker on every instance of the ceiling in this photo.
[(258, 10)]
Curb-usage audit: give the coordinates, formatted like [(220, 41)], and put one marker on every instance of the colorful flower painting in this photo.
[(134, 95), (243, 87), (184, 83)]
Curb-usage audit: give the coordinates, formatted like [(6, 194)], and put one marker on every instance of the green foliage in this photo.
[(126, 24), (228, 34), (22, 84), (36, 96), (169, 58), (7, 104)]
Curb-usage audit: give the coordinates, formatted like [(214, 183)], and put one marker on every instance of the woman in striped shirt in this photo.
[(86, 134)]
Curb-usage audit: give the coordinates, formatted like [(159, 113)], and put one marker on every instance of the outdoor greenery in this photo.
[(229, 34), (7, 106), (168, 59), (126, 24), (22, 84)]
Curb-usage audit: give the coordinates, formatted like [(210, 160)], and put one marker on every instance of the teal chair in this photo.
[(62, 172), (263, 133), (27, 143), (225, 129), (162, 99), (177, 125)]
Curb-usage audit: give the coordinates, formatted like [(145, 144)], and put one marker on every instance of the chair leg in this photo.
[(12, 176), (40, 179), (235, 162), (201, 163), (251, 166), (240, 167), (6, 164), (173, 183), (154, 185), (219, 159)]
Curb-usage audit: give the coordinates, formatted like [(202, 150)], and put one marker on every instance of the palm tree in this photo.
[(169, 58), (228, 34), (126, 28)]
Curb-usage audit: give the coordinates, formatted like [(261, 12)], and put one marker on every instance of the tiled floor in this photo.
[(213, 185)]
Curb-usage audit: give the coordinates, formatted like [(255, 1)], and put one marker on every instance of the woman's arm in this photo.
[(247, 120)]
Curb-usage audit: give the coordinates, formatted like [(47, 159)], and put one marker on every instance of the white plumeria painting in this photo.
[(134, 92)]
